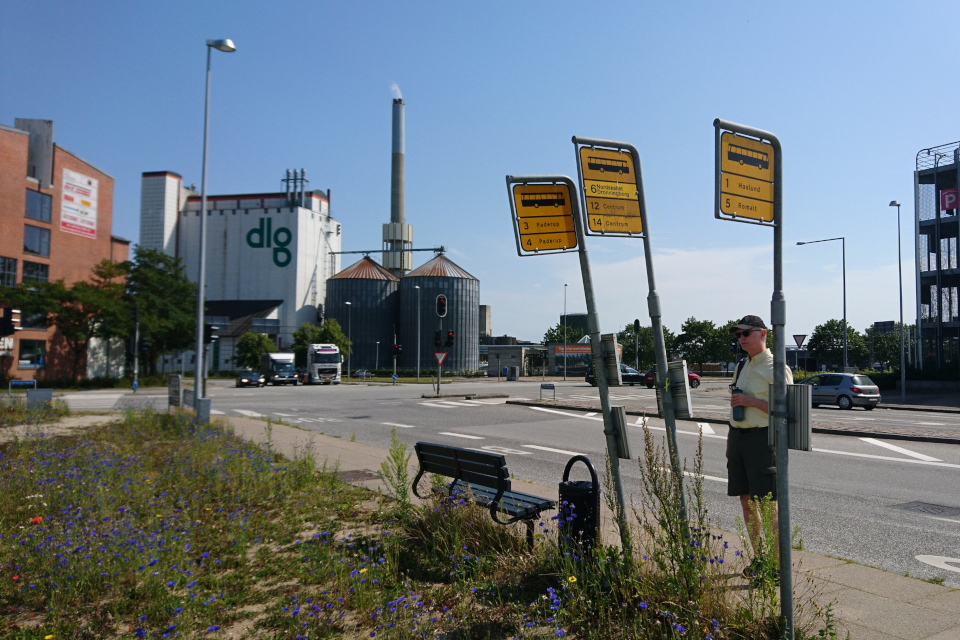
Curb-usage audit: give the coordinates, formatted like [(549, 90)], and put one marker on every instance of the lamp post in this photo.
[(843, 244), (227, 47), (903, 369), (377, 365), (417, 287), (349, 339), (564, 332)]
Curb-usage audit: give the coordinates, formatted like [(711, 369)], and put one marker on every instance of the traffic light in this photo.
[(397, 350), (734, 346), (449, 342), (636, 326), (143, 345), (442, 305), (6, 322), (210, 333), (437, 338)]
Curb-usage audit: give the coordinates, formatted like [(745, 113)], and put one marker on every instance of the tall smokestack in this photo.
[(396, 165)]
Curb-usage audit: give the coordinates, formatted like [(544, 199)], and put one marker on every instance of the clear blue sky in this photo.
[(853, 90)]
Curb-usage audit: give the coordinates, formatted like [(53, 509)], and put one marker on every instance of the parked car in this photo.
[(846, 390), (362, 373), (692, 379), (628, 375), (250, 379)]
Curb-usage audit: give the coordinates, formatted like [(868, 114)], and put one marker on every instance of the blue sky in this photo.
[(852, 89)]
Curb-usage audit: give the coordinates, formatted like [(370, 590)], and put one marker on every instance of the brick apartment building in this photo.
[(56, 212)]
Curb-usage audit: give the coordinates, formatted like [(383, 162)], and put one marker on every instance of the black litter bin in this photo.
[(579, 522)]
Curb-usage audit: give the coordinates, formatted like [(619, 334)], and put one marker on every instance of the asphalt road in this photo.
[(851, 497)]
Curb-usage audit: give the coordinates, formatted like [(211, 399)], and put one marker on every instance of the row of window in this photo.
[(32, 272), (33, 354), (38, 205)]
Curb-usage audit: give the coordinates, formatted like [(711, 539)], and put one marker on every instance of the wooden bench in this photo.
[(481, 477)]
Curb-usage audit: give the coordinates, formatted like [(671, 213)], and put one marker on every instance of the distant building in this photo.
[(56, 212)]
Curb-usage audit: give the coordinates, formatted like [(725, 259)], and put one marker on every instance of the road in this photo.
[(874, 501)]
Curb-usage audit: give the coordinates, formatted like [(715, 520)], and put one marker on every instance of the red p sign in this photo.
[(948, 199)]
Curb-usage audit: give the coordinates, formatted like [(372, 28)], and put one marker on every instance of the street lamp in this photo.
[(564, 332), (349, 339), (377, 365), (843, 244), (417, 287), (227, 47), (903, 369)]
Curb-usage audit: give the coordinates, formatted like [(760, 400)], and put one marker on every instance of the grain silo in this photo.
[(440, 276), (371, 315)]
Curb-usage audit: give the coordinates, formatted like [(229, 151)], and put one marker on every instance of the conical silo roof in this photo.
[(366, 269), (440, 266)]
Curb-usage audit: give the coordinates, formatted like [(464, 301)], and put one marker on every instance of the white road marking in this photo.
[(944, 519), (214, 412), (504, 450), (906, 452), (641, 420), (932, 424), (637, 424), (396, 424), (539, 448), (705, 428), (249, 414), (473, 402), (285, 415), (908, 461), (460, 435), (940, 562), (592, 413), (691, 474)]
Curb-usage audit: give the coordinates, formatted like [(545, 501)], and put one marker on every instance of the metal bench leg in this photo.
[(529, 524)]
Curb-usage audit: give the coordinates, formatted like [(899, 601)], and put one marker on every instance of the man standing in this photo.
[(751, 462)]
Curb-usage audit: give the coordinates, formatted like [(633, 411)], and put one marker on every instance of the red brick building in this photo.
[(56, 213)]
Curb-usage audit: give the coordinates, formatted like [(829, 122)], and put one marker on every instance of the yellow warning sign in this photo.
[(544, 217)]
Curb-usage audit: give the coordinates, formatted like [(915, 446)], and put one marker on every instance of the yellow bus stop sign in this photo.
[(544, 218), (610, 191), (746, 177)]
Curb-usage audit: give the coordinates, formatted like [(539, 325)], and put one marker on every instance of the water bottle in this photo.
[(738, 412)]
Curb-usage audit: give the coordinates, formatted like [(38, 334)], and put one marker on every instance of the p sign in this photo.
[(948, 199)]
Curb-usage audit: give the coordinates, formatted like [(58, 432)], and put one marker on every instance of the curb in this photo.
[(936, 438)]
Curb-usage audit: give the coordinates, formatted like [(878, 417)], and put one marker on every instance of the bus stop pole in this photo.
[(778, 413)]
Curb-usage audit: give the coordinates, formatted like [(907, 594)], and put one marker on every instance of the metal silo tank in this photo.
[(373, 314), (437, 276)]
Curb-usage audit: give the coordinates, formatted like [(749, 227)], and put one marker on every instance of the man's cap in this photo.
[(749, 322)]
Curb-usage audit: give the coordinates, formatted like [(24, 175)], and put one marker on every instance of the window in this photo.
[(38, 205), (36, 240), (35, 272), (33, 353), (8, 272)]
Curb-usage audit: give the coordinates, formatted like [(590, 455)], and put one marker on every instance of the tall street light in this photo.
[(349, 339), (564, 331), (417, 287), (843, 243), (227, 47), (903, 369), (377, 366)]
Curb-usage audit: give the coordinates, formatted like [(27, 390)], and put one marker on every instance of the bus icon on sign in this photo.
[(538, 200), (607, 164), (743, 155)]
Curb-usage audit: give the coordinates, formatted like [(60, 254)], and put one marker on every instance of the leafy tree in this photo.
[(555, 334), (249, 347), (329, 333), (884, 347), (628, 340), (826, 344), (167, 299), (702, 341)]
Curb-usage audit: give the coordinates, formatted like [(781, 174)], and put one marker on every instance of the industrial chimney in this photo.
[(397, 236)]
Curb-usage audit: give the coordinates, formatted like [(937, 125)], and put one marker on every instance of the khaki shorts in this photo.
[(751, 464)]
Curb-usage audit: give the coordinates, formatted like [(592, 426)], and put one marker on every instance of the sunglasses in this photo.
[(742, 334)]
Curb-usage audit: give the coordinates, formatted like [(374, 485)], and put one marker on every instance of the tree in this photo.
[(328, 333), (884, 346), (167, 299), (826, 344), (249, 347), (555, 334), (702, 341), (627, 339)]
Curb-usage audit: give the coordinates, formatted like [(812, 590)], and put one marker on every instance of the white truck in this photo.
[(323, 364), (278, 368)]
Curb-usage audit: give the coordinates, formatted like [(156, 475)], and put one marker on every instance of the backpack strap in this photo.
[(736, 376)]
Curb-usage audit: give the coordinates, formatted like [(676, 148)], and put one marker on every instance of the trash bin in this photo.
[(513, 374), (579, 522)]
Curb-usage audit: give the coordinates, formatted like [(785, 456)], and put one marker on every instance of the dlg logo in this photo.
[(265, 236)]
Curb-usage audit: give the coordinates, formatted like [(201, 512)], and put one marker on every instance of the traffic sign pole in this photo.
[(778, 320)]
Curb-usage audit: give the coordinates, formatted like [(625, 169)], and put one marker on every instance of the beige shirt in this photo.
[(754, 380)]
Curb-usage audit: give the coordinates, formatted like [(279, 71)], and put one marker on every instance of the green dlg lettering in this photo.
[(282, 255)]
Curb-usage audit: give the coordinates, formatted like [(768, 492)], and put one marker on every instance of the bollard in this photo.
[(579, 520)]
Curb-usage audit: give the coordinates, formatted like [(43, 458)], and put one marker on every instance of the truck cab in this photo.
[(324, 364), (278, 368)]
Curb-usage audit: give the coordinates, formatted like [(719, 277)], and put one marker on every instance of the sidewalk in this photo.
[(869, 603)]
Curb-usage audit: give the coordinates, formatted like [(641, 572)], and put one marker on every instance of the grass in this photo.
[(157, 526), (13, 411)]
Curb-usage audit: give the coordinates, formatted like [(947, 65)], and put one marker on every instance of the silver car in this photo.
[(846, 390)]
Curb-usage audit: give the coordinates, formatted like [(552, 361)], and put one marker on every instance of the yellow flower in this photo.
[(364, 570), (50, 637), (572, 579)]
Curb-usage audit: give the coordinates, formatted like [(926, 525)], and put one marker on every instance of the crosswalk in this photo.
[(289, 418), (452, 404), (91, 401)]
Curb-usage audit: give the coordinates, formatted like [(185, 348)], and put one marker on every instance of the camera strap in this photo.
[(739, 369)]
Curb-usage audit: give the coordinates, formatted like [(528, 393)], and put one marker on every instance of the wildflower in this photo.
[(49, 637), (37, 520), (572, 579), (213, 627)]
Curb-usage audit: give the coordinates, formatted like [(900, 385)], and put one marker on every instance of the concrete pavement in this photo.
[(869, 603)]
